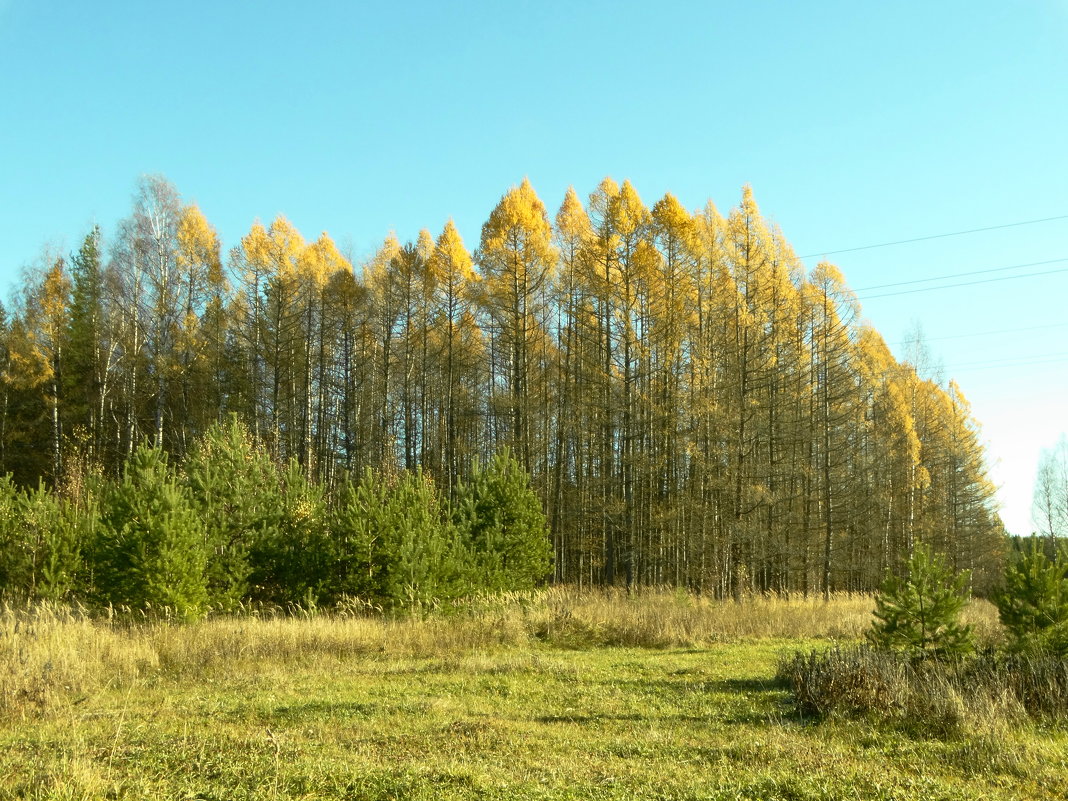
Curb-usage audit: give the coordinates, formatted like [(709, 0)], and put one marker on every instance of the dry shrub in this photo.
[(986, 692)]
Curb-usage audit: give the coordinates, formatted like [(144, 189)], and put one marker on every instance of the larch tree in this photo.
[(272, 257), (198, 346), (673, 318), (516, 258), (317, 264), (834, 408), (569, 500), (385, 297), (458, 346), (36, 349), (748, 244)]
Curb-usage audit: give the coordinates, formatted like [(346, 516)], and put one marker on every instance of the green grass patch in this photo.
[(372, 709)]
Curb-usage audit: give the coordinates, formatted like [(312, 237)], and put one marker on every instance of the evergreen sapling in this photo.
[(918, 614)]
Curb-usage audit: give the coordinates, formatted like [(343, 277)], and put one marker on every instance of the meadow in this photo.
[(559, 694)]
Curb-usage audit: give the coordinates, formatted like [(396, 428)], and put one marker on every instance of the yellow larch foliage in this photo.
[(320, 260), (573, 227), (256, 248), (629, 214), (516, 251), (377, 269), (450, 260), (286, 245), (198, 245)]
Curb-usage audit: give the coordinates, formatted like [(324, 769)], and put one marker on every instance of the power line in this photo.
[(964, 283), (986, 333), (1009, 364), (935, 236), (961, 275), (1037, 358)]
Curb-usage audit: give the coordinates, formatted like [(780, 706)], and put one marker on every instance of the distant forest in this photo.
[(693, 407)]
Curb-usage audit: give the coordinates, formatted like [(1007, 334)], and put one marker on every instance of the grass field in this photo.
[(564, 696)]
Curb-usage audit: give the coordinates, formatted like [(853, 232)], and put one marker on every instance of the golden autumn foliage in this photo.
[(694, 406)]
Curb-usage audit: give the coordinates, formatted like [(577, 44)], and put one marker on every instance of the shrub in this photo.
[(1033, 603), (918, 614), (986, 690)]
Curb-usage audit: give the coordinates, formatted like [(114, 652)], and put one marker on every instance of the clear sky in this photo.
[(856, 124)]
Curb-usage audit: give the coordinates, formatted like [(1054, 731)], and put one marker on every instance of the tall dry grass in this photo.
[(52, 655), (666, 618), (987, 692)]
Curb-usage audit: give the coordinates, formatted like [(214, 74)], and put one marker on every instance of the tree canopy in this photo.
[(689, 404)]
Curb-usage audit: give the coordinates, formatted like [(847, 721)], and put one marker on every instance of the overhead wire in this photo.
[(962, 275), (1036, 358), (964, 283), (1003, 363), (935, 236), (986, 333), (1008, 364)]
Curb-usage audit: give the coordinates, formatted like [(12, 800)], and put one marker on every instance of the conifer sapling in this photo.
[(919, 613)]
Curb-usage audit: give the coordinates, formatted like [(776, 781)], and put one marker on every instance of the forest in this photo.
[(690, 405)]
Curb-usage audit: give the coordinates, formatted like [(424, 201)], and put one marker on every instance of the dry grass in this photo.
[(665, 618), (503, 698), (982, 616), (52, 655)]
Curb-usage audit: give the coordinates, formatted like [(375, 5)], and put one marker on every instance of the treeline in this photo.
[(231, 527), (692, 406)]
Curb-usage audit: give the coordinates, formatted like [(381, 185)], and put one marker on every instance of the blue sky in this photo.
[(855, 123)]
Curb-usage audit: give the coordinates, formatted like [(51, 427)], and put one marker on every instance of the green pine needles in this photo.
[(918, 614), (395, 547), (149, 550), (1033, 603), (42, 542), (400, 544), (502, 526), (229, 526)]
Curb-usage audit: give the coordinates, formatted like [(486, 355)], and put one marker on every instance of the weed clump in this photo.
[(988, 690)]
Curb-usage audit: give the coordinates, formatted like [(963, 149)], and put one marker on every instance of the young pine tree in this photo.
[(56, 530), (394, 544), (235, 487), (502, 524), (16, 549), (1033, 604), (290, 560), (150, 548), (918, 614), (42, 539)]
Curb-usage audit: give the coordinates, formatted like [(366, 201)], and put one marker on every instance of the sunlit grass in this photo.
[(557, 695)]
